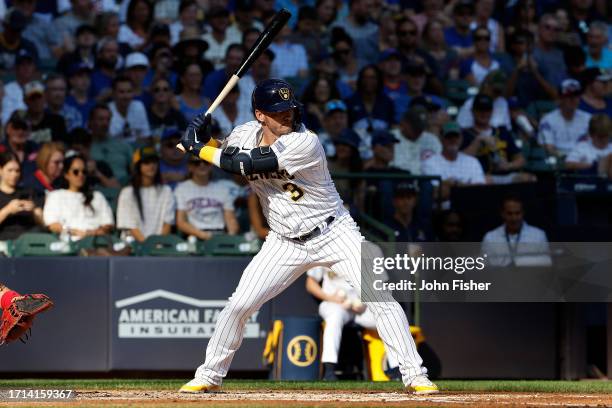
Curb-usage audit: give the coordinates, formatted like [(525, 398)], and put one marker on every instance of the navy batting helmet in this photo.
[(274, 95)]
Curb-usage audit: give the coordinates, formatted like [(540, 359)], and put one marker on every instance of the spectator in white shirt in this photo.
[(290, 59), (136, 29), (561, 129), (230, 113), (204, 207), (217, 38), (415, 144), (129, 118), (515, 242), (188, 17), (25, 72), (454, 167), (146, 207), (76, 208), (494, 85), (595, 153)]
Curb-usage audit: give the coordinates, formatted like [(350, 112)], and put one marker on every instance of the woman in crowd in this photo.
[(190, 97), (347, 65), (20, 211), (161, 114), (75, 208), (317, 93), (136, 29), (49, 166), (369, 108), (435, 44), (146, 207), (476, 68), (204, 207), (484, 11)]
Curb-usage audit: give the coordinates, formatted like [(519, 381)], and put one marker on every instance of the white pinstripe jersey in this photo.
[(301, 195)]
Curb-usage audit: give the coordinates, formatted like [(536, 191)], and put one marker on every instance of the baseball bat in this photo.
[(262, 43)]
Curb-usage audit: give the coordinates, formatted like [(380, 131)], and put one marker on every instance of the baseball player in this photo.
[(340, 305), (18, 313), (286, 167)]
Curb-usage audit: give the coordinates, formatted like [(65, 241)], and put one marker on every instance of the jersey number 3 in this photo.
[(295, 192)]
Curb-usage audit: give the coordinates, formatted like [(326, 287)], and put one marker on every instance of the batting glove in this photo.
[(196, 136)]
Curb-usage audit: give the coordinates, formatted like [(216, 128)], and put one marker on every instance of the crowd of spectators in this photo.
[(96, 93)]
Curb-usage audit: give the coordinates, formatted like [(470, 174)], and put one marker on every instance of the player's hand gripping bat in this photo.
[(262, 43)]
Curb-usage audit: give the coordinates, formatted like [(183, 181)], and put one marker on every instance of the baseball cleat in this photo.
[(199, 386), (421, 385)]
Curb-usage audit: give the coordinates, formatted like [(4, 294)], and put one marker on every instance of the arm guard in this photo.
[(259, 160)]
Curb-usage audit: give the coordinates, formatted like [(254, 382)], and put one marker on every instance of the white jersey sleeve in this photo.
[(297, 151), (316, 273)]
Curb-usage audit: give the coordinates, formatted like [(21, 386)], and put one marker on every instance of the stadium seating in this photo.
[(39, 244), (162, 245), (228, 245)]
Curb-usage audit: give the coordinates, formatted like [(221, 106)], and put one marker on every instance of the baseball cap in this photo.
[(136, 59), (389, 53), (450, 128), (24, 55), (171, 132), (15, 19), (406, 188), (348, 137), (570, 87), (144, 153), (383, 137), (335, 105), (33, 88), (482, 102), (417, 117)]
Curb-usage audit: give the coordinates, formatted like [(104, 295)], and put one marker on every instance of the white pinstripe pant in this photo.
[(279, 263)]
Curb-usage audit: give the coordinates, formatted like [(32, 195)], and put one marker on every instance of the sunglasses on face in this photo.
[(161, 89), (78, 172), (482, 38)]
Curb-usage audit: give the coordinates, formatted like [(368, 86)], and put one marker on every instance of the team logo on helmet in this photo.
[(284, 93)]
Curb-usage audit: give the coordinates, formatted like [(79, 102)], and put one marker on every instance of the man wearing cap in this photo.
[(560, 129), (596, 97), (84, 53), (25, 72), (117, 153), (79, 80), (415, 144), (55, 95), (173, 163), (334, 123), (383, 146), (500, 157), (494, 85), (454, 167), (80, 13), (12, 42), (45, 126), (136, 66), (402, 221), (129, 121), (217, 39)]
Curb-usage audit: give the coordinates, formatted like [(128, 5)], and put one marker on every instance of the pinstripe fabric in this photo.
[(281, 260)]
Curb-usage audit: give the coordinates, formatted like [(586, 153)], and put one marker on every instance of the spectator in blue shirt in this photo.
[(316, 95), (460, 35), (395, 86), (79, 80), (216, 80), (546, 53), (107, 58), (369, 108), (598, 53)]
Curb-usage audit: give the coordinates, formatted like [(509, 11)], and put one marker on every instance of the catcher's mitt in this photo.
[(17, 319)]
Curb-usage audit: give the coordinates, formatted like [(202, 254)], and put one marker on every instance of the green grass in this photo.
[(447, 385)]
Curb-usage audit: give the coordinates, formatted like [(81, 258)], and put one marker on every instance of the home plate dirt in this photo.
[(341, 398)]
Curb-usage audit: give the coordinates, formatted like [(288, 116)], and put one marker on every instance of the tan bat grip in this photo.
[(226, 89)]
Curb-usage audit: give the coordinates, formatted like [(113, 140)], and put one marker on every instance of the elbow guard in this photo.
[(259, 160)]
